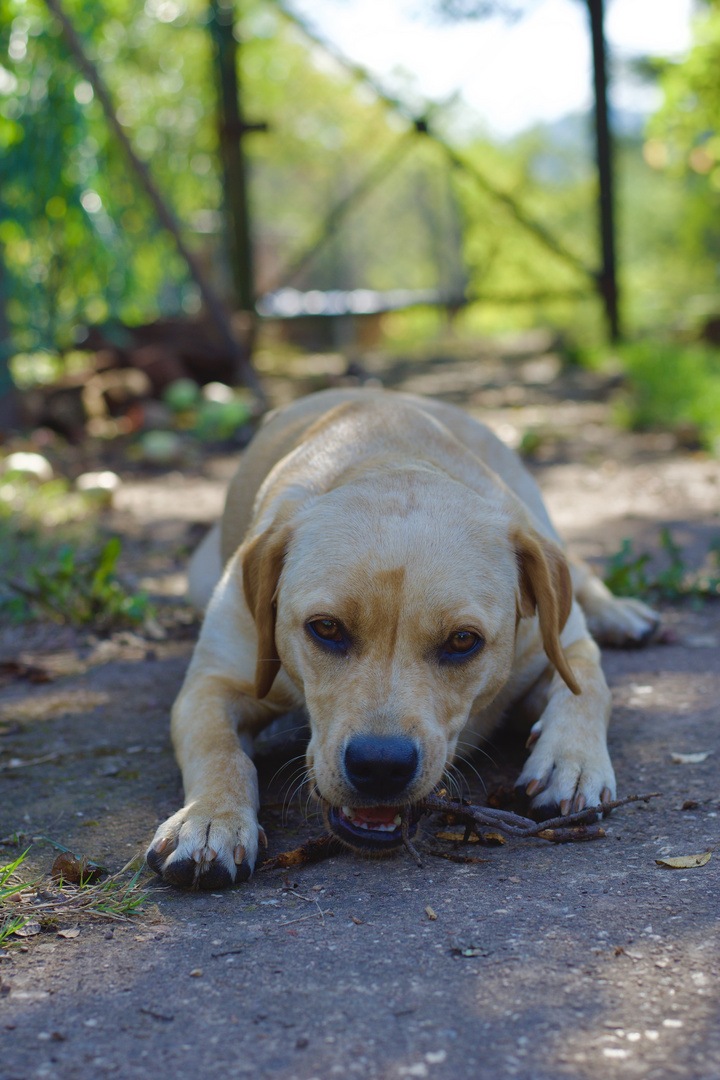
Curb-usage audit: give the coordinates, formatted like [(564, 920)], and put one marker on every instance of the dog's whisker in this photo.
[(450, 781), (284, 766), (472, 768), (476, 749), (287, 785), (299, 785), (457, 781), (313, 791)]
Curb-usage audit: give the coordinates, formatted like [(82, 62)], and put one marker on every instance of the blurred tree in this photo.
[(607, 275), (684, 143)]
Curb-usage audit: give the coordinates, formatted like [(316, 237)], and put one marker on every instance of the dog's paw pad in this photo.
[(202, 851)]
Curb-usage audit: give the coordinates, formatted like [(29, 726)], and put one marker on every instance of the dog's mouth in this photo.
[(372, 828)]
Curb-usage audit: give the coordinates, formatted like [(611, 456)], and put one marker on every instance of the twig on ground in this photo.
[(316, 850), (558, 829), (407, 842), (565, 829)]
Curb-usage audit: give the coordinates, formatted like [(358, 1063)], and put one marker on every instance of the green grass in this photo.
[(10, 886), (81, 588), (628, 573), (669, 387), (116, 898), (54, 563)]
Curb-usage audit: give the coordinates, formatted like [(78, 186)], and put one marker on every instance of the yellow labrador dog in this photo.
[(388, 563)]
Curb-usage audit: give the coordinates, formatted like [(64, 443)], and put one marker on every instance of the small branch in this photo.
[(316, 850), (558, 829), (408, 843), (566, 836)]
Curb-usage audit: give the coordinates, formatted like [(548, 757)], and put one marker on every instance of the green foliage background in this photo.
[(79, 241)]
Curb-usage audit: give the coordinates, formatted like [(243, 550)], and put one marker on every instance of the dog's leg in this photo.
[(213, 840), (569, 766), (612, 620)]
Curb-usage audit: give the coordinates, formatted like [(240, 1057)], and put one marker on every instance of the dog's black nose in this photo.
[(380, 767)]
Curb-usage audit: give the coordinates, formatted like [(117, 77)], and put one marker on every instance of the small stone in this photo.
[(196, 973)]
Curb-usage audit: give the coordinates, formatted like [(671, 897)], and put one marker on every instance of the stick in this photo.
[(555, 829), (408, 843)]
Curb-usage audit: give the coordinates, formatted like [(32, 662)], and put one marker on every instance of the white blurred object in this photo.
[(217, 391), (32, 464), (102, 485)]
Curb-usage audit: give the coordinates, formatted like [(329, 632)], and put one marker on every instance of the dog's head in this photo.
[(392, 602)]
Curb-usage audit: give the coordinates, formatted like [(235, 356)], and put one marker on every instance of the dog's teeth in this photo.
[(397, 820), (348, 812)]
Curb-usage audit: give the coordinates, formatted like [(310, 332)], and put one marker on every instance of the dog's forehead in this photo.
[(360, 556)]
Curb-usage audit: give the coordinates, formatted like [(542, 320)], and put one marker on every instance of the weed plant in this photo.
[(10, 887), (673, 388), (52, 562), (82, 589), (628, 573), (116, 898)]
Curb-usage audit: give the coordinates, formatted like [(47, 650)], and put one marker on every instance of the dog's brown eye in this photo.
[(327, 629), (462, 642)]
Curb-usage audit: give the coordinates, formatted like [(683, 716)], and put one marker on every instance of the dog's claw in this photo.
[(565, 805), (533, 787), (580, 803), (160, 845), (239, 854), (605, 795), (263, 837)]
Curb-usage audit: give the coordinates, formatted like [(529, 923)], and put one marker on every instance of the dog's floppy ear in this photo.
[(262, 562), (545, 586)]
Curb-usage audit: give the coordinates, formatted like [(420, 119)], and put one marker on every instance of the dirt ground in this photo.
[(543, 961)]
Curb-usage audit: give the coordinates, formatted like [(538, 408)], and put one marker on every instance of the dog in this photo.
[(386, 562)]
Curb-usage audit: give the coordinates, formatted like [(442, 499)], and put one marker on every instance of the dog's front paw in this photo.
[(623, 622), (562, 775), (201, 849)]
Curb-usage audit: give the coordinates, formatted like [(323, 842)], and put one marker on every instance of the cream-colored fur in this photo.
[(401, 521)]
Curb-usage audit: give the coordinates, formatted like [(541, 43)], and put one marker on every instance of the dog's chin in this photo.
[(370, 830)]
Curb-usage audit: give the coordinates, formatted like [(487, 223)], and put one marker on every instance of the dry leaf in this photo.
[(70, 934), (28, 930), (358, 922), (430, 913), (494, 839), (690, 759), (75, 871), (455, 837), (685, 862)]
